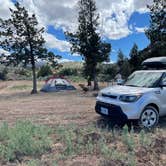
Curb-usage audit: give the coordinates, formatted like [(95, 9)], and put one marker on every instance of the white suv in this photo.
[(143, 96)]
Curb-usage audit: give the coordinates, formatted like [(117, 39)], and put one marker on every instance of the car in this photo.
[(141, 98)]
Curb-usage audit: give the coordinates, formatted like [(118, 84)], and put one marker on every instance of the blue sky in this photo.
[(125, 43), (122, 23)]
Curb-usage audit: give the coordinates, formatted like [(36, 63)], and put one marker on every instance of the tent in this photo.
[(55, 84)]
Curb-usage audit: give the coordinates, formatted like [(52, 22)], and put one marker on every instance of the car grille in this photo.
[(109, 96)]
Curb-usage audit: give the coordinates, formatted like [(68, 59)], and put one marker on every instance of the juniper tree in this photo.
[(21, 36), (86, 41)]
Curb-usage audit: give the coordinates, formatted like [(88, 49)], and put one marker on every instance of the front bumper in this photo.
[(113, 111), (131, 110)]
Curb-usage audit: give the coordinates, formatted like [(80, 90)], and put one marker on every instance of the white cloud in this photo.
[(65, 60), (4, 11), (53, 42), (140, 29), (59, 13), (114, 16), (110, 62), (2, 51)]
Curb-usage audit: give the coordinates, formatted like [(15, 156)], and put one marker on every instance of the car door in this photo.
[(163, 95)]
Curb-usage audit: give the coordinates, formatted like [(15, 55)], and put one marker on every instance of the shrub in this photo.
[(3, 74), (69, 71), (23, 139), (21, 72), (33, 163), (128, 138), (107, 72), (44, 71)]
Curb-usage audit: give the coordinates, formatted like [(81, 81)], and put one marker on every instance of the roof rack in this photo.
[(155, 63)]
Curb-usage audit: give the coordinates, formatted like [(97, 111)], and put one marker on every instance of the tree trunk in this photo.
[(89, 81), (34, 90), (96, 86)]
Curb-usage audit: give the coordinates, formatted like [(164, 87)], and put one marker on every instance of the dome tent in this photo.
[(55, 84)]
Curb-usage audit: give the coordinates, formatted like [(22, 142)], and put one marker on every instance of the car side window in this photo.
[(163, 81)]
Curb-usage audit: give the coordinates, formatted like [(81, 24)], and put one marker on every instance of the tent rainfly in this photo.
[(56, 84)]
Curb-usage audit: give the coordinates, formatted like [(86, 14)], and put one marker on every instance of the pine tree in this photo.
[(22, 37), (156, 33), (87, 42), (135, 59), (123, 64), (121, 59), (157, 29)]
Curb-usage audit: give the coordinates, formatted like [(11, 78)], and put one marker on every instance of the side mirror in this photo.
[(163, 84)]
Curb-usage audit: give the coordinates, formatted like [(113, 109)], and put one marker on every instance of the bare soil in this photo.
[(74, 107)]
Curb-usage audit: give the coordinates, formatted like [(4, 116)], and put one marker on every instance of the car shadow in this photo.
[(109, 124), (162, 122)]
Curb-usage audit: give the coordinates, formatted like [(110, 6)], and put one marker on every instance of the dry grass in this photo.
[(76, 108)]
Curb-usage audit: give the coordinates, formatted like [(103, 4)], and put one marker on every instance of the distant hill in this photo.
[(75, 65)]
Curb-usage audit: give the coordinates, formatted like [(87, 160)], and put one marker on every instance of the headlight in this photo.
[(129, 98)]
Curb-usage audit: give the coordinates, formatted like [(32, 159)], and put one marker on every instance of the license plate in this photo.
[(104, 111)]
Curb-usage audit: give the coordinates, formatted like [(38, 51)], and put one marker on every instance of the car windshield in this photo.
[(143, 79)]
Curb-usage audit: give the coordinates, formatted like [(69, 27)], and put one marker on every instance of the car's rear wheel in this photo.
[(149, 117)]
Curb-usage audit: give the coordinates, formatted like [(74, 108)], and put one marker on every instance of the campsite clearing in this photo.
[(16, 103), (79, 136)]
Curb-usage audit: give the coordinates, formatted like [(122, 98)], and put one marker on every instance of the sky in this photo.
[(122, 23)]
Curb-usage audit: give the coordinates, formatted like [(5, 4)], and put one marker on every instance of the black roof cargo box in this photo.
[(155, 63)]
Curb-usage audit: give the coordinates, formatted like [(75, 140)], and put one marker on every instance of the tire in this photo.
[(149, 117)]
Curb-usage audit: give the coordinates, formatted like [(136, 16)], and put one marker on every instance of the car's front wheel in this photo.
[(149, 117)]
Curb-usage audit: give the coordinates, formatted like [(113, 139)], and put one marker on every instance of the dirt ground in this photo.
[(62, 108), (74, 107), (16, 103)]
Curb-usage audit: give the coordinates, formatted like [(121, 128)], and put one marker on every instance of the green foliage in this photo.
[(69, 72), (23, 138), (121, 148), (145, 139), (135, 59), (121, 59), (77, 79), (22, 37), (33, 163), (157, 29), (44, 71), (3, 74), (124, 65), (132, 159), (21, 71), (86, 141), (28, 44), (128, 138), (156, 32), (87, 42), (107, 72), (53, 60)]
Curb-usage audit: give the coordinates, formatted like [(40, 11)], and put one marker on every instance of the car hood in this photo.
[(125, 90)]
